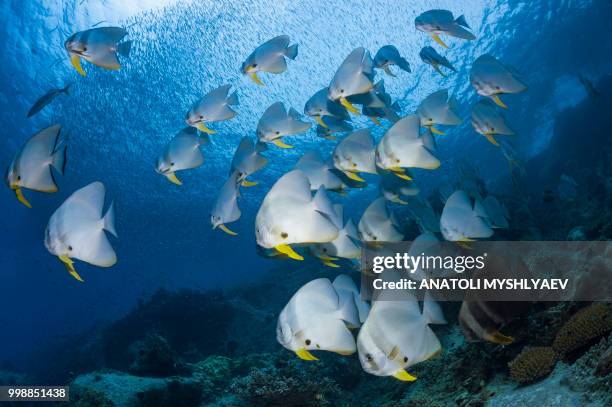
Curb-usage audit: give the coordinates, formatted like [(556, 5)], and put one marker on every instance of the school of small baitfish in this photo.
[(296, 212)]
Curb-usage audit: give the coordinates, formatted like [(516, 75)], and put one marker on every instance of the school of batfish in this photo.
[(297, 217)]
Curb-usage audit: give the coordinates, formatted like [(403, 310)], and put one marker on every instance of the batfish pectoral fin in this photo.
[(253, 76), (246, 183), (202, 127), (389, 72), (331, 264), (492, 139), (305, 355), (498, 101), (404, 376), (320, 121), (288, 250), (21, 198), (437, 68), (328, 258), (375, 120), (227, 230), (437, 39), (403, 176), (279, 143), (172, 178), (436, 131), (349, 106), (499, 338), (354, 176), (75, 60), (464, 243), (70, 267)]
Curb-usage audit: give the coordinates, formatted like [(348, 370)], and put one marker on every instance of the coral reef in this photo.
[(125, 390), (175, 394), (588, 376), (8, 378), (265, 388), (154, 357), (586, 325), (193, 324), (212, 374), (86, 397), (533, 364)]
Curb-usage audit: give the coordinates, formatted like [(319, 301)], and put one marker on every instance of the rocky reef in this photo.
[(162, 369)]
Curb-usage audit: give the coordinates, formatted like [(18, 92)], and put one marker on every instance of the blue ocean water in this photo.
[(118, 122)]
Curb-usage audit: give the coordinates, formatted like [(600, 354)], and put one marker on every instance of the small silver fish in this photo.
[(47, 98), (387, 56), (98, 46), (269, 57), (491, 78), (436, 22), (277, 122), (354, 77), (430, 56), (31, 167), (215, 106)]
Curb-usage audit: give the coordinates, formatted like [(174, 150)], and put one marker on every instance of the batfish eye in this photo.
[(405, 359), (201, 117), (397, 160), (278, 132), (375, 237), (369, 357), (254, 65), (497, 87), (341, 90), (354, 165), (307, 342), (84, 48), (492, 128), (70, 248), (325, 249), (18, 177), (284, 235), (171, 164)]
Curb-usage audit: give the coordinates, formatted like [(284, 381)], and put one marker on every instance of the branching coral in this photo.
[(533, 364)]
